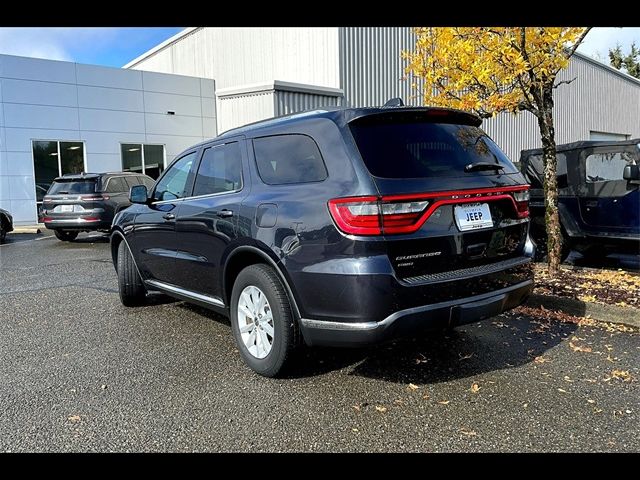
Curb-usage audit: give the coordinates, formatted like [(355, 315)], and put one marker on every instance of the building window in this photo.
[(52, 159), (147, 159)]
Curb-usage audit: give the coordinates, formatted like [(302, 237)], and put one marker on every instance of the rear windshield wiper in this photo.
[(473, 167)]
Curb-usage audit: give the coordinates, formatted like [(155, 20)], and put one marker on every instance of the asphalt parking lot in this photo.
[(80, 372)]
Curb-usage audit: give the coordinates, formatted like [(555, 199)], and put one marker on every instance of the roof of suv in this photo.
[(343, 116), (95, 176), (585, 144)]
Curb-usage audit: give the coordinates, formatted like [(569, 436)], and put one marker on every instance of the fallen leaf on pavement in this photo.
[(444, 402), (465, 357), (74, 418), (623, 375), (525, 405), (468, 432), (398, 402), (579, 348), (591, 401), (354, 430), (567, 378), (562, 391), (540, 359), (475, 388), (413, 386), (381, 409), (425, 396), (356, 408)]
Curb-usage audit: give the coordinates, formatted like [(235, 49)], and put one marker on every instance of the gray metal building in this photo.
[(263, 72)]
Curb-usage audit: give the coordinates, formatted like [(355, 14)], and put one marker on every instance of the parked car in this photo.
[(335, 227), (87, 201), (598, 196), (6, 224)]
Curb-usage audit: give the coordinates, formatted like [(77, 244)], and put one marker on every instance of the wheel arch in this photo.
[(244, 256)]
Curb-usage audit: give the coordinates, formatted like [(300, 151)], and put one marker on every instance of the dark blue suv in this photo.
[(335, 227), (598, 196)]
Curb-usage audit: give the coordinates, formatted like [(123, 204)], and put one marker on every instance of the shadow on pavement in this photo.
[(494, 344), (91, 238), (611, 261)]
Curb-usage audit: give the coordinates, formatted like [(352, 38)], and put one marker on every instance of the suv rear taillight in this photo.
[(522, 203), (393, 214), (372, 216)]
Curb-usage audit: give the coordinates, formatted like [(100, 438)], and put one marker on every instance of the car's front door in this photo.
[(207, 220), (154, 241)]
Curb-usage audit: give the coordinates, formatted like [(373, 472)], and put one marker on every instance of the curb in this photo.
[(596, 311), (28, 228)]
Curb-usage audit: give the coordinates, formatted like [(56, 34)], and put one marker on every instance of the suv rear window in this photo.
[(415, 149), (74, 186)]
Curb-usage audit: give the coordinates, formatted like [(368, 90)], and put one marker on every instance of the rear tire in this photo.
[(130, 287), (259, 286), (65, 236)]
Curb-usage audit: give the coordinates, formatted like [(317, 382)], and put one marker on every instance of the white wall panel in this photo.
[(108, 77), (110, 98), (39, 116), (36, 69), (20, 163), (111, 120), (207, 88), (180, 104), (4, 188), (23, 211), (159, 82), (173, 124), (21, 187), (42, 93), (208, 107), (104, 162), (208, 127)]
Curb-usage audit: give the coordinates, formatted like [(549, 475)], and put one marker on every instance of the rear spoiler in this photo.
[(420, 114)]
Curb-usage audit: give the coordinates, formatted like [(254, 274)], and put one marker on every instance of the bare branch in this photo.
[(578, 42), (564, 82)]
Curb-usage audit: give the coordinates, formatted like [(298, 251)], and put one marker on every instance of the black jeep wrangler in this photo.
[(599, 196)]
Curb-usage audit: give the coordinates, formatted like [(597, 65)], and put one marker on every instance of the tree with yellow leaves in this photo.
[(489, 70)]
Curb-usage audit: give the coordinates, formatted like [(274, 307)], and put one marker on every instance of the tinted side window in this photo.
[(131, 181), (534, 172), (117, 185), (283, 159), (175, 181), (220, 170), (146, 181), (606, 166)]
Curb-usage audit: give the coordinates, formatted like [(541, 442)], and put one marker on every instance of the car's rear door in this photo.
[(206, 221), (153, 241)]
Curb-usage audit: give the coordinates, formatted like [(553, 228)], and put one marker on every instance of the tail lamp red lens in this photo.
[(397, 214)]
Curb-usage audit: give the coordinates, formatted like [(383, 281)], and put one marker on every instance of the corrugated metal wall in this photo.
[(371, 69), (241, 56), (237, 110), (290, 102)]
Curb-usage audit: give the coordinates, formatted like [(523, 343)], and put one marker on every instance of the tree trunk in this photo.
[(552, 220)]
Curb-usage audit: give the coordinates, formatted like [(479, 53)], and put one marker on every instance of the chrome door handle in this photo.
[(224, 213), (169, 216)]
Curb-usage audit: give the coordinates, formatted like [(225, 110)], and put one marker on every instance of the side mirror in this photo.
[(631, 172), (138, 194)]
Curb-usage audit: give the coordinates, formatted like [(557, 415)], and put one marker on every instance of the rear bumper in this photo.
[(416, 319), (76, 223)]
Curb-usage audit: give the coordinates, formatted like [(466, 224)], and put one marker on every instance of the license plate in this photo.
[(471, 216), (66, 208)]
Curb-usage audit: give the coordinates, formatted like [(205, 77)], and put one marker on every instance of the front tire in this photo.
[(65, 236), (130, 287), (3, 232), (263, 326)]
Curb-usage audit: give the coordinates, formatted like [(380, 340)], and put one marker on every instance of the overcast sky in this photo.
[(117, 46)]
